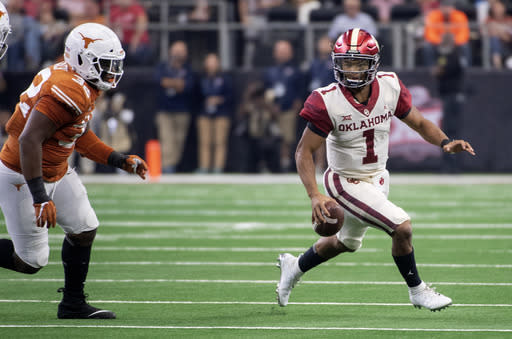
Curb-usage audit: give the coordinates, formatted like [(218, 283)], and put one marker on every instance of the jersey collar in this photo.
[(364, 109)]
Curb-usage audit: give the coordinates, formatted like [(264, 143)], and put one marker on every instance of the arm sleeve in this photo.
[(404, 105), (315, 112), (91, 147)]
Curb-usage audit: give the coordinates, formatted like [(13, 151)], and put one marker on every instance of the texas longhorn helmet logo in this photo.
[(1, 14), (87, 40)]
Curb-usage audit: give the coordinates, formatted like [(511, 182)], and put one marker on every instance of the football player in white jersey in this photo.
[(353, 117)]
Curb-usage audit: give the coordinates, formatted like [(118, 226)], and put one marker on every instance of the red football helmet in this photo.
[(355, 58)]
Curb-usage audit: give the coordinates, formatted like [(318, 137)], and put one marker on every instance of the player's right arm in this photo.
[(319, 126), (37, 129), (308, 144)]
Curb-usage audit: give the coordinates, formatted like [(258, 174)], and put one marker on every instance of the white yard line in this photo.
[(274, 225), (222, 263), (211, 203), (220, 236), (206, 249), (268, 328), (396, 179), (190, 302), (256, 282)]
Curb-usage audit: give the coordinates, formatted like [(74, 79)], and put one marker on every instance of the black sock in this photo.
[(76, 265), (310, 259), (407, 267), (6, 252)]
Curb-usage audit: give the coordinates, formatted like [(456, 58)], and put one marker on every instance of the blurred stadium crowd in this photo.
[(189, 45)]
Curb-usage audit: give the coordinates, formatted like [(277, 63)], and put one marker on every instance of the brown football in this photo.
[(333, 222)]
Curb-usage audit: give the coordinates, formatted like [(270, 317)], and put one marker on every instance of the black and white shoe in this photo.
[(78, 308)]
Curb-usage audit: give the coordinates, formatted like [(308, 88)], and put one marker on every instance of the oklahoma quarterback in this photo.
[(38, 188), (353, 116)]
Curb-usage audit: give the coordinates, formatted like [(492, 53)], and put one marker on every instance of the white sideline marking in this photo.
[(227, 281), (187, 302), (252, 263), (285, 328)]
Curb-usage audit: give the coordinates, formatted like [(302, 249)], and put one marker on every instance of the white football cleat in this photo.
[(290, 275), (425, 296)]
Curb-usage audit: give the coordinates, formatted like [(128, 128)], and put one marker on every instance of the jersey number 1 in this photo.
[(370, 157)]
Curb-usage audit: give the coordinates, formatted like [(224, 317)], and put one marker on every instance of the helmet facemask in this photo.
[(105, 71), (354, 70), (4, 32)]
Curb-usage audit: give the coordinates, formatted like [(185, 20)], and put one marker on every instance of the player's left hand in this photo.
[(456, 146), (46, 214), (136, 165)]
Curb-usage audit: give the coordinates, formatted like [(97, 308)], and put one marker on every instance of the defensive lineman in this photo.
[(37, 188), (353, 117)]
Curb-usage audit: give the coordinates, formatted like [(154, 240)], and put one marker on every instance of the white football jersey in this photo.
[(357, 134)]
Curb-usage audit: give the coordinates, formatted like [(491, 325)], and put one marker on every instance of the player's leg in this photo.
[(79, 222), (382, 214), (348, 239), (28, 250), (420, 294)]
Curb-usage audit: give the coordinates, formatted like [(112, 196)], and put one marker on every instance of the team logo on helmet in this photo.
[(87, 40), (1, 14)]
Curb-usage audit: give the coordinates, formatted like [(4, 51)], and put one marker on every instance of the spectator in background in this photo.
[(24, 41), (449, 72), (499, 29), (91, 13), (320, 74), (384, 8), (304, 8), (130, 22), (201, 12), (215, 116), (445, 19), (283, 85), (253, 16), (176, 82), (116, 125), (426, 6), (320, 71), (351, 17), (54, 29), (258, 131), (75, 8)]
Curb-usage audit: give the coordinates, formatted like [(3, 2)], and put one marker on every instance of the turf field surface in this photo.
[(198, 260)]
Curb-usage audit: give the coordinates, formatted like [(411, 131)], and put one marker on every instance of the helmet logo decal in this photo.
[(2, 14), (87, 40)]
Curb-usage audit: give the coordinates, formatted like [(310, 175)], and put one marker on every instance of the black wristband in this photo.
[(445, 142), (36, 187), (116, 159)]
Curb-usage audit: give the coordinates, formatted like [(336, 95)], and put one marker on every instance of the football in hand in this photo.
[(332, 223)]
